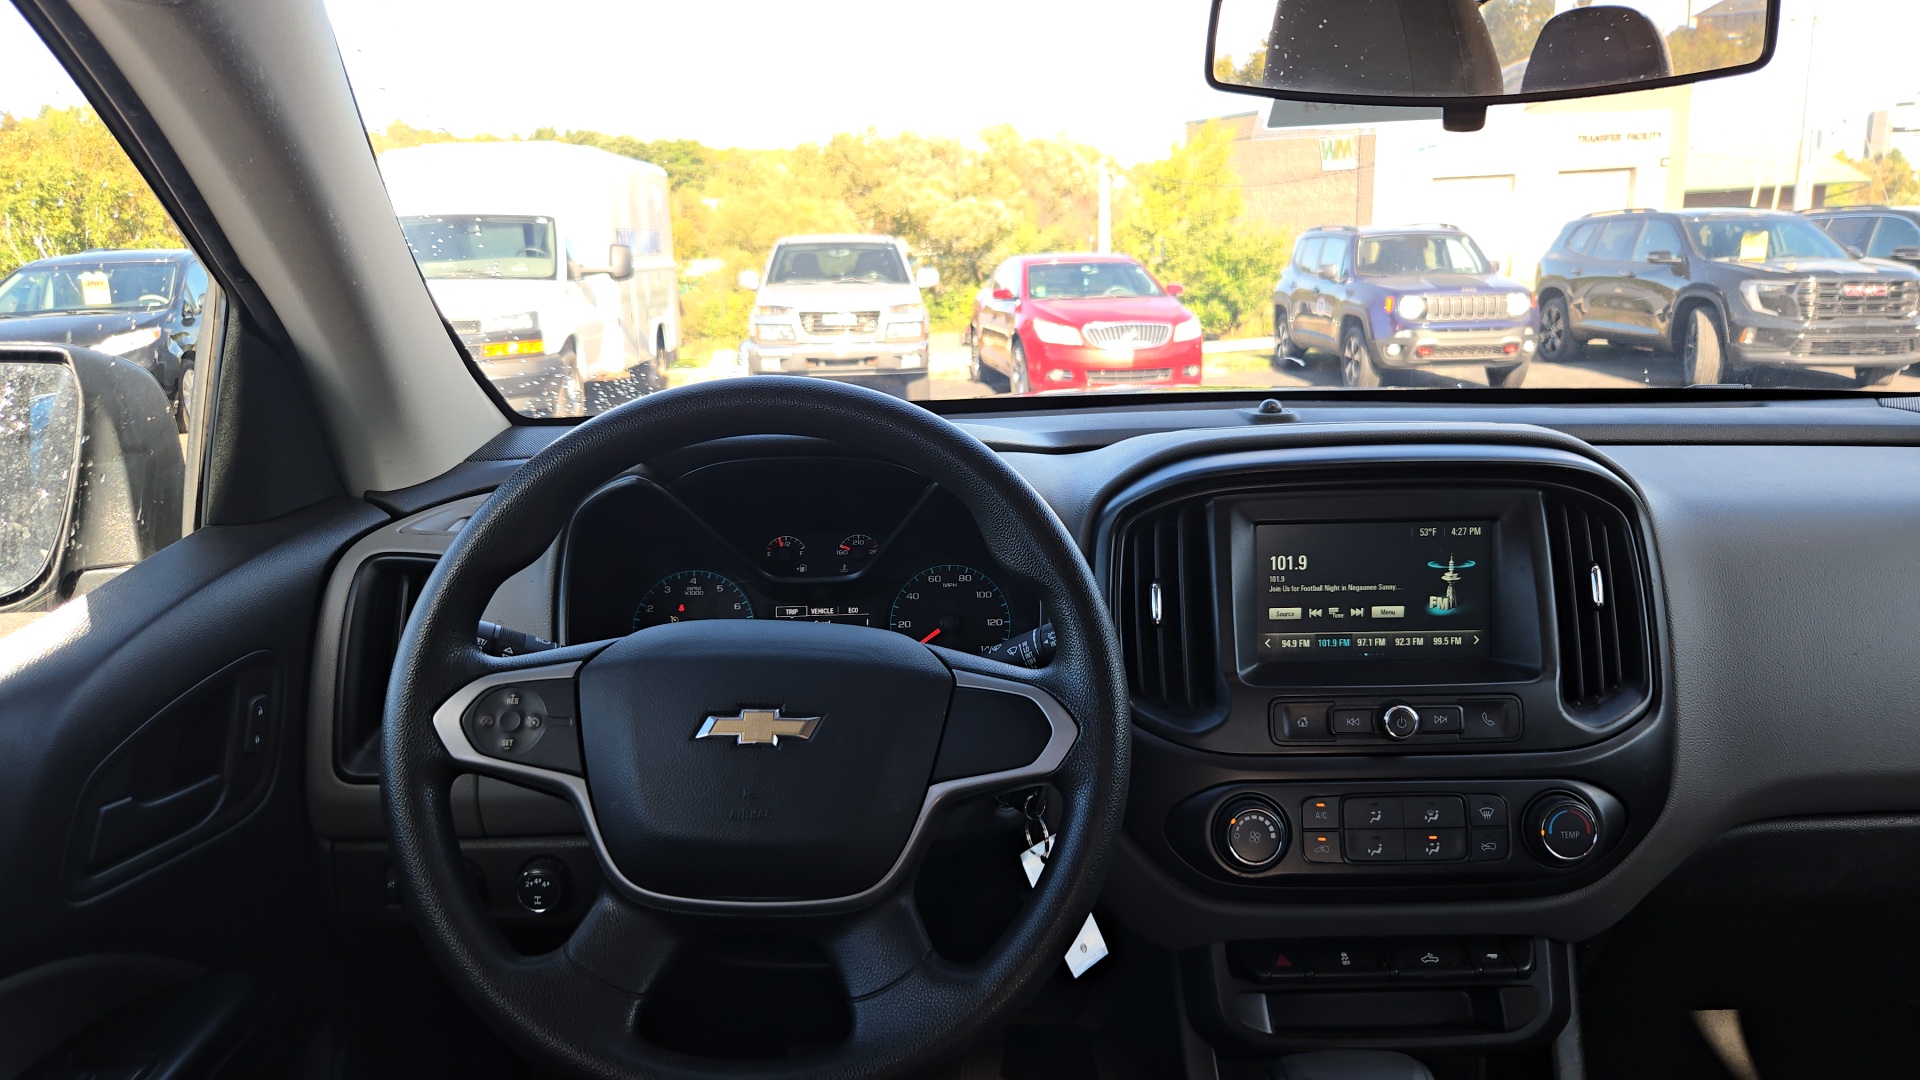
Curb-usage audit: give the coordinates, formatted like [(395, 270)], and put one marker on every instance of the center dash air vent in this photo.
[(1600, 603), (383, 594), (1164, 597)]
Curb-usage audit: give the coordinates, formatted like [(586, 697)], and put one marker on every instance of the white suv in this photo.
[(840, 307)]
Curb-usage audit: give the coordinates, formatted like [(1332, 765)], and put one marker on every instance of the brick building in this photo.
[(1297, 178)]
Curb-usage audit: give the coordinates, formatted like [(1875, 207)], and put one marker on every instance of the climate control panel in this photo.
[(1300, 833)]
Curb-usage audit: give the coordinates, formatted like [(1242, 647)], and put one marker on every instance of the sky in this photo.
[(1124, 75)]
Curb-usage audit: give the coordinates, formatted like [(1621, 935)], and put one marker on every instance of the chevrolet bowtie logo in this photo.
[(758, 726)]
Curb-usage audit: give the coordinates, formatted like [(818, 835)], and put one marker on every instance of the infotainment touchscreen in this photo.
[(1373, 590)]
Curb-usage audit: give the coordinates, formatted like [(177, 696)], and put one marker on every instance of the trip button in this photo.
[(1440, 719), (1296, 722), (1370, 812), (1321, 813), (1435, 812), (1374, 845), (1497, 719), (1348, 723), (1436, 845)]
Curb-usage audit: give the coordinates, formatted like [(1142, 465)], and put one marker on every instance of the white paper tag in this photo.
[(1034, 859), (1087, 950)]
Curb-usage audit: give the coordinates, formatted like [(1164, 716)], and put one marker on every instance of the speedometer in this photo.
[(954, 606), (690, 595)]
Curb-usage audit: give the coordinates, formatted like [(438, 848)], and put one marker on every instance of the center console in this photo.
[(1394, 683)]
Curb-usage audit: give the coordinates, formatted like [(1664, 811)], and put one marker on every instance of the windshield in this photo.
[(733, 206), (1079, 281), (1757, 239), (457, 247), (1382, 256), (798, 264), (83, 287)]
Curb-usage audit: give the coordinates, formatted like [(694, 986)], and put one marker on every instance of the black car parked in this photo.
[(145, 305), (1878, 232), (1395, 299), (1727, 289)]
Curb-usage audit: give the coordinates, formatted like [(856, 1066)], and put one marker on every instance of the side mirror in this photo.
[(1856, 252), (926, 277), (1176, 290), (620, 261), (1493, 266), (1330, 271), (91, 471), (1665, 258), (749, 280), (1003, 294), (1906, 254)]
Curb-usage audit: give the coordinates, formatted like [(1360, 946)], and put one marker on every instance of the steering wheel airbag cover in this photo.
[(802, 818)]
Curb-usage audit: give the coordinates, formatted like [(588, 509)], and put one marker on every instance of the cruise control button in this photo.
[(1372, 812), (1435, 812), (1440, 719), (1296, 722), (1436, 845), (1488, 845), (1321, 813), (1428, 956), (1320, 847), (1347, 723), (1497, 719), (1483, 810), (1375, 846), (1346, 959)]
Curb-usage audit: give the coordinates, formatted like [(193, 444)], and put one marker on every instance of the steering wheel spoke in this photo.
[(877, 947), (518, 719), (1005, 730), (622, 944)]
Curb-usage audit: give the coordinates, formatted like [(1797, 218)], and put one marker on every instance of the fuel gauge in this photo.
[(787, 555)]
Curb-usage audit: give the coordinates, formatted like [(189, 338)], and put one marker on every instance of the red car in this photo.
[(1064, 322)]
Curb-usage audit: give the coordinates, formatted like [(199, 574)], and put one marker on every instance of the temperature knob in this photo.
[(1562, 828), (1252, 834)]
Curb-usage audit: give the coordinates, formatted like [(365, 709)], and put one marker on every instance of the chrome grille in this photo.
[(1890, 346), (1127, 335), (1855, 298), (1119, 376), (816, 323), (1460, 352), (466, 327), (1442, 307)]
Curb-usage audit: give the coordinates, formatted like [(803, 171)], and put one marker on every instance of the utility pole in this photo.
[(1802, 195), (1106, 210)]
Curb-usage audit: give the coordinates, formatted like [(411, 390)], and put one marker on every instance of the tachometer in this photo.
[(954, 606), (690, 595)]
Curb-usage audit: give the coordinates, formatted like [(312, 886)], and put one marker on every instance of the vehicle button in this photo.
[(1399, 721), (1488, 845), (1440, 719), (1484, 810), (1321, 847), (1346, 959), (1375, 845), (1347, 723), (1271, 960), (1435, 812), (1495, 719), (1297, 722), (1436, 845), (1320, 813), (1372, 812), (1490, 956), (1429, 957)]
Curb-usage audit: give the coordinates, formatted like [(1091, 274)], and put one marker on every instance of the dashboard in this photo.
[(807, 538)]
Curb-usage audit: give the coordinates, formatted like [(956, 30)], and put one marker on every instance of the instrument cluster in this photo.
[(811, 539)]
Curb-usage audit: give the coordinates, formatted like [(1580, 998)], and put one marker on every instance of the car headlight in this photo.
[(908, 309), (1188, 330), (1413, 307), (1519, 303), (1054, 333), (765, 310), (1771, 297), (509, 324), (772, 331), (905, 331), (132, 340)]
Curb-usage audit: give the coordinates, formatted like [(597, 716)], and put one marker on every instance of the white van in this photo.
[(553, 262)]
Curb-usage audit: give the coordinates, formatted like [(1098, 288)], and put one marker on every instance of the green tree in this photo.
[(1183, 220), (1705, 50), (1515, 26), (1891, 181), (66, 185)]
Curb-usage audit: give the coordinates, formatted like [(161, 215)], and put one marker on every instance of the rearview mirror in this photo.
[(926, 277), (1463, 55), (749, 280)]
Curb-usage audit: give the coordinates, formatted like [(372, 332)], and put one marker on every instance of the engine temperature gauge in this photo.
[(850, 554)]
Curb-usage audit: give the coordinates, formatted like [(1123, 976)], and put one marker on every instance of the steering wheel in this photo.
[(1118, 290), (531, 252), (158, 301), (850, 741)]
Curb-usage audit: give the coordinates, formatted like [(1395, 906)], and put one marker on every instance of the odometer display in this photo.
[(690, 595), (953, 606)]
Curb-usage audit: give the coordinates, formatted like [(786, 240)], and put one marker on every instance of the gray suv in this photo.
[(841, 307), (1390, 300)]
